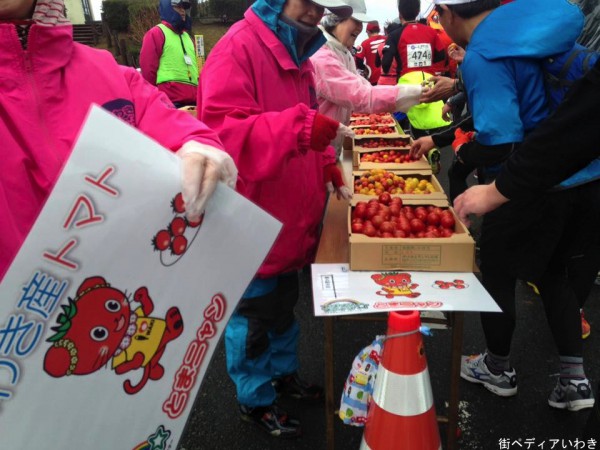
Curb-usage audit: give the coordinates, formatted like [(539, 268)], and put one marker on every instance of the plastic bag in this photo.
[(359, 385)]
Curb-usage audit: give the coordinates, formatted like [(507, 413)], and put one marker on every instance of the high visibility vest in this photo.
[(178, 61), (426, 116)]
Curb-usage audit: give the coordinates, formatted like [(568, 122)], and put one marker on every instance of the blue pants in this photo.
[(261, 340)]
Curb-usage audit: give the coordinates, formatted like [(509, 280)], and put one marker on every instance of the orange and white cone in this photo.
[(402, 414)]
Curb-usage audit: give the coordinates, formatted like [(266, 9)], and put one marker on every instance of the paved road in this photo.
[(485, 419)]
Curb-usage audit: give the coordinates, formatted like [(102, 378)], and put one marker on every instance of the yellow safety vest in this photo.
[(178, 61), (425, 116)]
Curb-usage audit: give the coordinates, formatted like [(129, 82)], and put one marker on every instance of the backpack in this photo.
[(562, 70)]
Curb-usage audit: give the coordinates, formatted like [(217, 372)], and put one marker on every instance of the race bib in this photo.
[(419, 55)]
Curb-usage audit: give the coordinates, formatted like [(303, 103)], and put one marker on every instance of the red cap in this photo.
[(373, 26), (403, 321)]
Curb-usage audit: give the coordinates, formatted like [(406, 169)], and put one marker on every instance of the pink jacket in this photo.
[(341, 91), (263, 106), (45, 94)]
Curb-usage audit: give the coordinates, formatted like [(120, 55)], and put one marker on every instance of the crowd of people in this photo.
[(271, 121)]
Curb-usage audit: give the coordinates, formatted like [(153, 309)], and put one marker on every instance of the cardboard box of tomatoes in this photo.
[(418, 184), (390, 233)]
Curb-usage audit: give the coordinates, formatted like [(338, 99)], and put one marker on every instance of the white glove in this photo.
[(344, 131), (202, 167), (408, 95), (342, 192)]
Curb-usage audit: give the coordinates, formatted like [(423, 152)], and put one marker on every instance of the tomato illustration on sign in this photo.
[(100, 325), (395, 284), (173, 241)]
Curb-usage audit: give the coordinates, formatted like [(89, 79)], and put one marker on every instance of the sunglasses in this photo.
[(439, 9), (184, 5)]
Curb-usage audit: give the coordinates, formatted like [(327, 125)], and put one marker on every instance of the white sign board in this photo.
[(114, 305), (339, 291)]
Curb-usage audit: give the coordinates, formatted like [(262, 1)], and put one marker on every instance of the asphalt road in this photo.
[(487, 422)]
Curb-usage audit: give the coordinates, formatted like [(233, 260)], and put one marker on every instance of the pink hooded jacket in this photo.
[(45, 94), (341, 91), (263, 106)]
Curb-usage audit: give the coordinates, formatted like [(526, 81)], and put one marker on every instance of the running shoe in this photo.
[(474, 369), (573, 396), (272, 420)]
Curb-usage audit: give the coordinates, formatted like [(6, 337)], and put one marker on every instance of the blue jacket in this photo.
[(501, 69)]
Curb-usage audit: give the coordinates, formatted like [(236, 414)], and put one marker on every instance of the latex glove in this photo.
[(421, 146), (461, 137), (202, 167), (323, 132), (335, 182), (343, 131), (408, 96)]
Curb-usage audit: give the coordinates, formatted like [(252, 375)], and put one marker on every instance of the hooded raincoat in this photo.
[(260, 97), (341, 91), (501, 70), (153, 45), (45, 94)]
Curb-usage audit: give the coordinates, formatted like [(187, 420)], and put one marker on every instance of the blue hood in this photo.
[(168, 14), (528, 29), (269, 12)]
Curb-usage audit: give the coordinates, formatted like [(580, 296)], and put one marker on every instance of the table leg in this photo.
[(457, 336), (329, 400)]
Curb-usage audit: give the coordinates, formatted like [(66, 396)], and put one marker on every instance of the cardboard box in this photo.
[(452, 254), (359, 116), (439, 193), (412, 166)]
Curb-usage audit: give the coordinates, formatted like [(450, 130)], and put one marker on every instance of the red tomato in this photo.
[(417, 225), (357, 227), (179, 245), (387, 227), (369, 231), (446, 232), (377, 221), (447, 221), (177, 226), (400, 234), (177, 203), (162, 240), (385, 198), (433, 218), (195, 224)]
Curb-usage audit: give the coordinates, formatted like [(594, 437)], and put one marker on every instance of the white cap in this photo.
[(338, 7), (452, 2), (359, 10)]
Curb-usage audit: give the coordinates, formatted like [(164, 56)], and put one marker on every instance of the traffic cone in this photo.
[(402, 414)]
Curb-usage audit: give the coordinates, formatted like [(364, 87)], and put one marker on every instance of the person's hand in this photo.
[(343, 131), (443, 88), (323, 132), (479, 199), (461, 137), (421, 146), (335, 182), (447, 112), (456, 52), (202, 166)]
